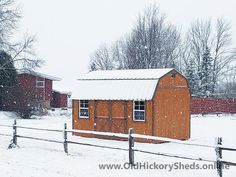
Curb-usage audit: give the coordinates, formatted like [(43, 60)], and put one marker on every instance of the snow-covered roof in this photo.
[(118, 84), (115, 90), (62, 92), (40, 75), (61, 89), (134, 74)]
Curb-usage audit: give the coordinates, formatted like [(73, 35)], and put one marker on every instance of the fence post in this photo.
[(131, 145), (219, 164), (14, 139), (65, 143)]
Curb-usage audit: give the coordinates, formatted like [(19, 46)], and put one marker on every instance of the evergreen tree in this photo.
[(7, 74), (192, 77), (206, 73)]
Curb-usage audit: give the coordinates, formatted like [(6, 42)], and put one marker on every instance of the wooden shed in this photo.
[(151, 101)]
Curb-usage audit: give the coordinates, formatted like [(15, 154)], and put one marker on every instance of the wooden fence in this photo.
[(131, 143)]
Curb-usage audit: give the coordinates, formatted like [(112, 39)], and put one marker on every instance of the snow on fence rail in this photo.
[(131, 140)]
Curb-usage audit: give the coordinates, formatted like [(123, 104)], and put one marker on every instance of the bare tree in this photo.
[(101, 59), (224, 52), (152, 43), (218, 38), (22, 52), (228, 84)]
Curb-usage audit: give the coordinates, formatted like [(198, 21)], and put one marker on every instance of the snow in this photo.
[(42, 159), (46, 76), (114, 89), (138, 84), (131, 74), (62, 89)]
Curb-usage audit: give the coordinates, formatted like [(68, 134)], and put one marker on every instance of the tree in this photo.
[(23, 101), (8, 72), (7, 75), (191, 76), (21, 52), (14, 55), (101, 59), (224, 52), (206, 73), (218, 40), (228, 85), (152, 43)]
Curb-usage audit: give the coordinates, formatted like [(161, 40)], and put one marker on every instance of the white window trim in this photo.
[(84, 117), (43, 86), (140, 111)]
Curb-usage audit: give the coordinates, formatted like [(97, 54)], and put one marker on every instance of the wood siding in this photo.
[(28, 82), (172, 108)]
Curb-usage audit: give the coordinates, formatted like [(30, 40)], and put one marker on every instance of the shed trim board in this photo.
[(111, 102)]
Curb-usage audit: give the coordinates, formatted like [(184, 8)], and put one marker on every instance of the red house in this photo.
[(39, 84), (60, 98)]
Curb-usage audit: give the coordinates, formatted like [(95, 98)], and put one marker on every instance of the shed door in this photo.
[(110, 116)]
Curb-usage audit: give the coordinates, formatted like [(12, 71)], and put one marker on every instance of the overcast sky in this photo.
[(69, 31)]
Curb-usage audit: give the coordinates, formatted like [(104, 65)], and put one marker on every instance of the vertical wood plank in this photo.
[(95, 115), (125, 117), (110, 114)]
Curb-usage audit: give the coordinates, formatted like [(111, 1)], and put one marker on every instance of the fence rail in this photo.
[(175, 156), (131, 140), (100, 146), (2, 134), (118, 135), (40, 139), (170, 140), (40, 129)]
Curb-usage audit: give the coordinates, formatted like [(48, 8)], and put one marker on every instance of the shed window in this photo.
[(84, 109), (139, 110)]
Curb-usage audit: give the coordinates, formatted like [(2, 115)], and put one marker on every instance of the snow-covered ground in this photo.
[(44, 159)]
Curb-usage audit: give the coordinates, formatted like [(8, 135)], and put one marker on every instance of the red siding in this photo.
[(28, 82), (59, 100), (213, 105)]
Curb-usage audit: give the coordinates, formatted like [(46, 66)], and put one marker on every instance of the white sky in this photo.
[(69, 31)]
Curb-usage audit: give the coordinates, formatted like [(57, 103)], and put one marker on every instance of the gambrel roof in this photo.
[(137, 84)]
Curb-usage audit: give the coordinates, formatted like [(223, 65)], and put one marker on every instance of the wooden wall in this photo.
[(121, 121), (172, 108)]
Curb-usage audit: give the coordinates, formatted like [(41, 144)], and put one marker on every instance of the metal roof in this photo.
[(114, 90), (135, 74), (137, 84)]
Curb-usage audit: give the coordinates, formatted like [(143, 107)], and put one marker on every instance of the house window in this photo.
[(139, 110), (84, 109), (40, 84)]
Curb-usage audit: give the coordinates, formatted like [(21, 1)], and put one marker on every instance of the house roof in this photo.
[(118, 84), (61, 88), (135, 74), (40, 75)]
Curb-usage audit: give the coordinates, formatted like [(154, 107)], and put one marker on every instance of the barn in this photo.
[(151, 101)]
